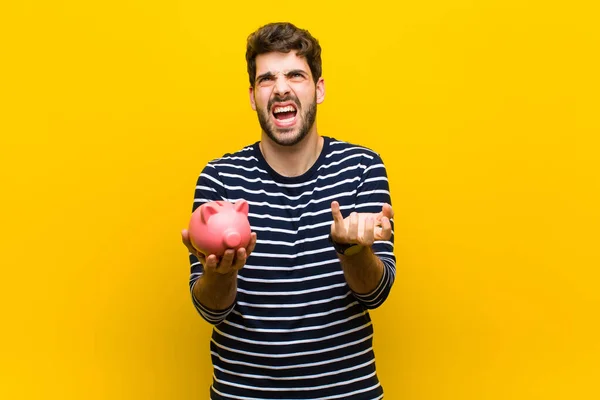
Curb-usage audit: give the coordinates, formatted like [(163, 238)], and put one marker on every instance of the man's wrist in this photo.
[(346, 249), (218, 277)]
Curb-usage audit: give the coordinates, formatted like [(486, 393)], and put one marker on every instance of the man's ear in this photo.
[(320, 87), (252, 102)]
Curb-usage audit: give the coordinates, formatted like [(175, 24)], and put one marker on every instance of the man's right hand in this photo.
[(230, 261)]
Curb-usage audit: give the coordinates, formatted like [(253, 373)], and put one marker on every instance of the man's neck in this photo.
[(293, 160)]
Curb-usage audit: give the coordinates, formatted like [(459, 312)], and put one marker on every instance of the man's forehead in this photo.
[(280, 62)]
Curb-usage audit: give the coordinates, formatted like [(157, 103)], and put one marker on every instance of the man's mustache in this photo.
[(283, 99)]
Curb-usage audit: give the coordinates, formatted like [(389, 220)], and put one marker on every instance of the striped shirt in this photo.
[(296, 329)]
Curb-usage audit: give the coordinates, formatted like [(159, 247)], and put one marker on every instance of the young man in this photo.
[(290, 311)]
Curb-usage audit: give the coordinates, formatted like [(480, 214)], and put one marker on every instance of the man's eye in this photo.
[(296, 77), (267, 80)]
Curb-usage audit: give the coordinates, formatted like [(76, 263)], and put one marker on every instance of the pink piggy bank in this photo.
[(220, 225)]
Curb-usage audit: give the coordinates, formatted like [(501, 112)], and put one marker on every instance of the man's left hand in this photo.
[(361, 228)]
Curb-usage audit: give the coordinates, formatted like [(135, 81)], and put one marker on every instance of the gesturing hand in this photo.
[(229, 262), (361, 228)]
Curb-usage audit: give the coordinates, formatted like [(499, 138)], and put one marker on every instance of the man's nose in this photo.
[(281, 86)]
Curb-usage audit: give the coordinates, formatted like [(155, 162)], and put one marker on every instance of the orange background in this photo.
[(485, 112)]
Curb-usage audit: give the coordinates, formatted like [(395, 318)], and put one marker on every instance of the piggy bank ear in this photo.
[(207, 211), (241, 206)]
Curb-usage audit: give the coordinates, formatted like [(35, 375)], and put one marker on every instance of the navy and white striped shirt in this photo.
[(296, 329)]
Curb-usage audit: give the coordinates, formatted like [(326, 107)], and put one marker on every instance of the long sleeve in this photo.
[(373, 192), (208, 188)]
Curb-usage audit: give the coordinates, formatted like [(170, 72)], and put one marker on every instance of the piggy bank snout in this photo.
[(232, 239)]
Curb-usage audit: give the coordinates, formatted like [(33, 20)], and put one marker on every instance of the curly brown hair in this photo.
[(283, 37)]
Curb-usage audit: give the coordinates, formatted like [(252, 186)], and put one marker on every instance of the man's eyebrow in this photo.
[(296, 71), (265, 75), (287, 74)]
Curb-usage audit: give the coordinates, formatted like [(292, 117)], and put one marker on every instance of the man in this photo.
[(290, 311)]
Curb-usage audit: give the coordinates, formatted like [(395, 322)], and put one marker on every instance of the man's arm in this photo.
[(213, 282), (369, 265), (363, 269), (215, 289)]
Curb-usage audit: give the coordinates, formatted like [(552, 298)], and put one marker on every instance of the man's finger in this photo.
[(251, 244), (185, 238), (387, 211), (353, 234), (210, 263), (338, 218), (369, 232), (227, 259), (201, 257), (240, 259), (386, 229)]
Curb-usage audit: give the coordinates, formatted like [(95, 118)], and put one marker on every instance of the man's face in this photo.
[(285, 97)]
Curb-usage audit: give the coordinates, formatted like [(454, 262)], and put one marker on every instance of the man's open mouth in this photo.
[(284, 115)]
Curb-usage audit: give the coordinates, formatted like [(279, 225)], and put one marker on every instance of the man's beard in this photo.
[(308, 119)]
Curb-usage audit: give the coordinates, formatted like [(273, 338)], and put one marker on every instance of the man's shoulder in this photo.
[(339, 147), (245, 153)]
